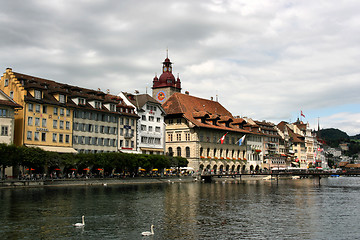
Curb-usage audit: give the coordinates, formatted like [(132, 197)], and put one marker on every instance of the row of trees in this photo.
[(43, 161)]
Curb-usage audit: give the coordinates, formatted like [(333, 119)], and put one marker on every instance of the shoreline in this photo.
[(4, 184), (14, 183)]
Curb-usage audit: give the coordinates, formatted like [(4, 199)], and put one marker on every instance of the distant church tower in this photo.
[(164, 86)]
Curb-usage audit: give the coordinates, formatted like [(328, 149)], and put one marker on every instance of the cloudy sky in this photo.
[(264, 59)]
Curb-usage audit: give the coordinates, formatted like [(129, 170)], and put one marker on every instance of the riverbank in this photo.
[(92, 181)]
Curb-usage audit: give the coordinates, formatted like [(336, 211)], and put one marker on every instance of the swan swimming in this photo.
[(149, 233), (80, 224)]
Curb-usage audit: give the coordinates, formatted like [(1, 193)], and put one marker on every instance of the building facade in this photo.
[(69, 119), (151, 125)]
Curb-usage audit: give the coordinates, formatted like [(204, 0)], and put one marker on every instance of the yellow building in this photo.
[(46, 118)]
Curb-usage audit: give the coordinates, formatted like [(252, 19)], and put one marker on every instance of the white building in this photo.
[(151, 126)]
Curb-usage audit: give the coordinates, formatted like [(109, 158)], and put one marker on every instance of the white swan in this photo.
[(149, 233), (80, 224)]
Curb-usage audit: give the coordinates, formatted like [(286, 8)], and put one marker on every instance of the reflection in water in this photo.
[(293, 209)]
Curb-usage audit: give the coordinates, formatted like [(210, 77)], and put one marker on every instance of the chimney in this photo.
[(211, 98), (187, 92)]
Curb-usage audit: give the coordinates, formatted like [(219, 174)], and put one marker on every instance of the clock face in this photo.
[(161, 96), (170, 69), (165, 69)]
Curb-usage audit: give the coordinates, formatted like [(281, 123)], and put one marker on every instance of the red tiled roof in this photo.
[(10, 104), (192, 108), (49, 87)]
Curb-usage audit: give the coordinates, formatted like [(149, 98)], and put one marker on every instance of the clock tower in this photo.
[(164, 86)]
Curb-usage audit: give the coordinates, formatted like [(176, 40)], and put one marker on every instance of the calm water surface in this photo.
[(293, 209)]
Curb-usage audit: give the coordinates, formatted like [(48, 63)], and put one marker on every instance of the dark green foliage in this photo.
[(333, 137), (36, 158)]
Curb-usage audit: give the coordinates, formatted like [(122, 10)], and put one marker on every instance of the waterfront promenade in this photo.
[(13, 183)]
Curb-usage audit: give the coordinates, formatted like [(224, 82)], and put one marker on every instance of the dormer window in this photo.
[(62, 98), (37, 94), (6, 83), (81, 101), (97, 104), (112, 107)]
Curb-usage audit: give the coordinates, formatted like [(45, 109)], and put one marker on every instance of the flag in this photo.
[(241, 140), (223, 138), (302, 114)]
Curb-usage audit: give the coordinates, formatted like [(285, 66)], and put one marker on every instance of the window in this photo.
[(170, 151), (170, 137), (36, 136), (62, 98), (187, 150), (29, 135), (81, 101), (44, 122), (143, 117), (150, 128), (54, 137), (11, 94), (44, 109), (67, 125), (178, 121), (55, 111), (187, 136), (3, 113), (132, 122), (37, 94), (61, 124), (37, 108), (62, 112), (37, 122), (68, 112), (6, 83), (30, 107), (61, 137), (4, 130), (43, 136), (30, 121), (157, 129), (178, 151), (97, 104), (143, 127), (67, 138), (158, 119), (151, 118), (178, 136), (54, 123)]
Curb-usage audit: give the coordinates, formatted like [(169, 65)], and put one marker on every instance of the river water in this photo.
[(291, 209)]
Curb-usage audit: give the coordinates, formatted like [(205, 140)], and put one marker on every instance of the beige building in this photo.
[(205, 133)]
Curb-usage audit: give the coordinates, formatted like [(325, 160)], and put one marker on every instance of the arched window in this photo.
[(214, 152), (178, 150), (187, 149), (170, 150), (208, 152), (201, 151)]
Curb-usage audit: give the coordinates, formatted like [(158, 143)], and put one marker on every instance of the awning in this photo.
[(55, 149), (295, 163), (152, 149), (129, 151)]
